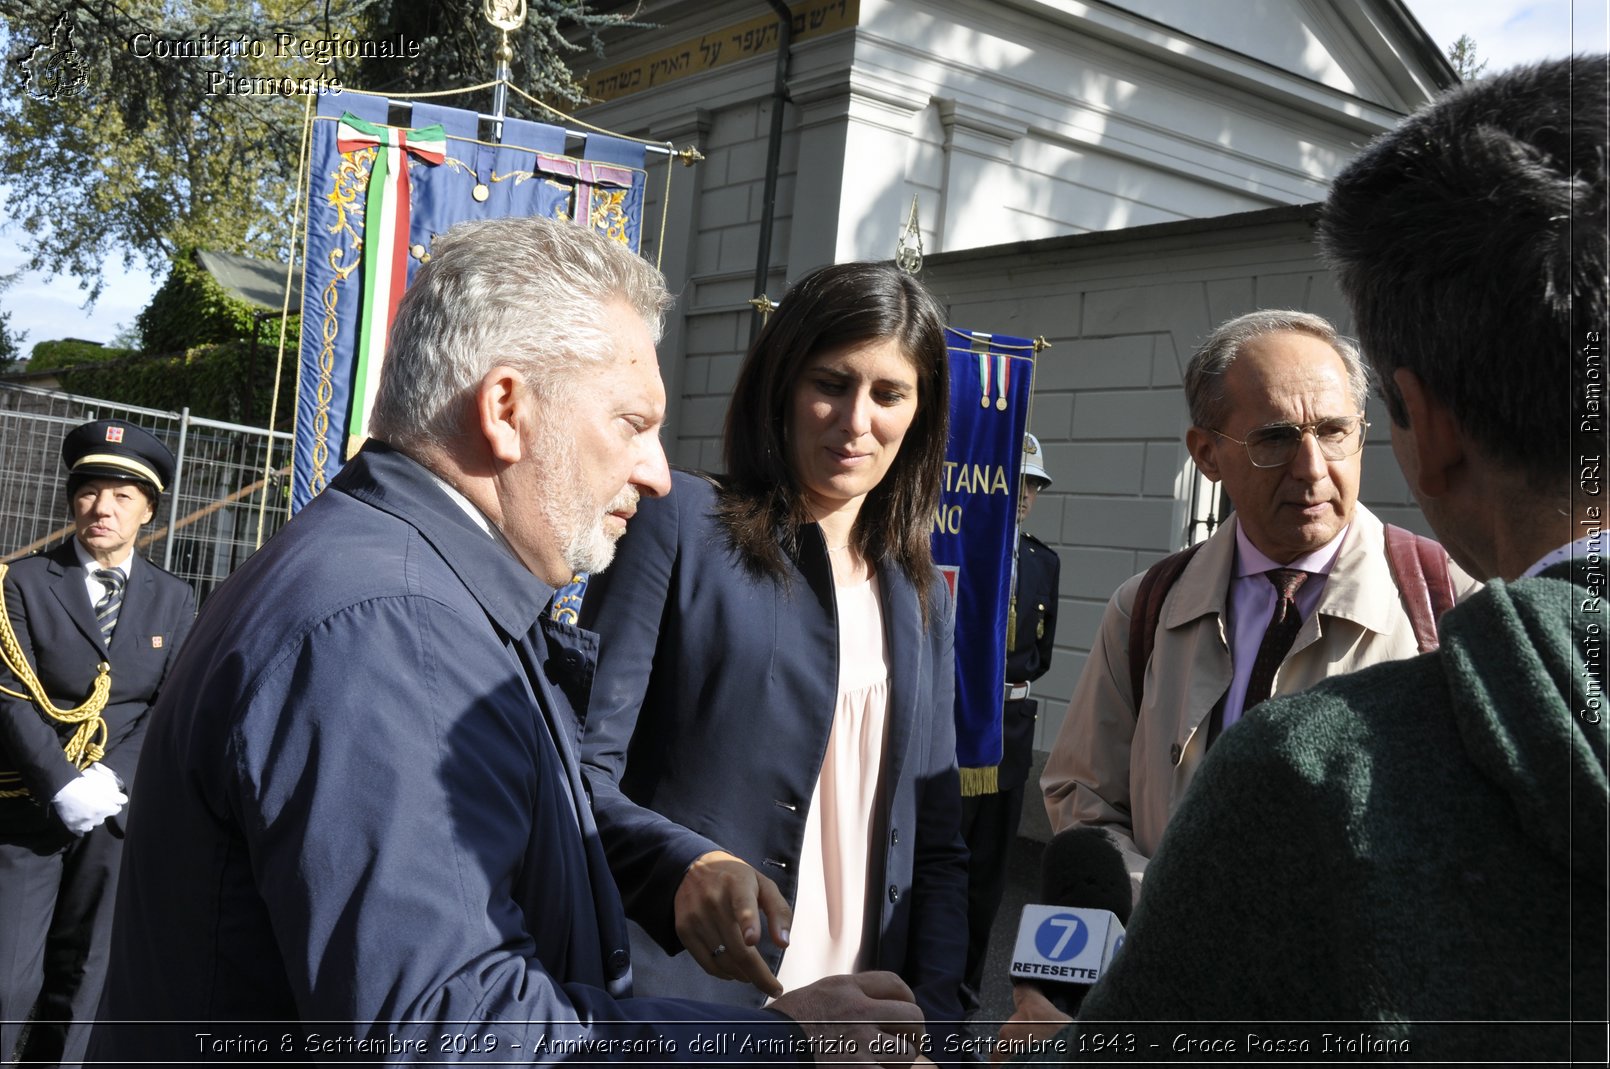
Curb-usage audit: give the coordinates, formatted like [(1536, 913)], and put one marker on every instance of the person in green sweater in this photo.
[(1409, 862)]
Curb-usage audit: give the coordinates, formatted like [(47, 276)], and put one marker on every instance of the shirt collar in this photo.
[(91, 565), (1250, 560), (1584, 547), (476, 516)]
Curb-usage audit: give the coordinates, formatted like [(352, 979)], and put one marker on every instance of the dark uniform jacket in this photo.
[(361, 809), (1039, 575), (54, 622)]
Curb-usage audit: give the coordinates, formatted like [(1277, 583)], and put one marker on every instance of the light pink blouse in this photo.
[(830, 908)]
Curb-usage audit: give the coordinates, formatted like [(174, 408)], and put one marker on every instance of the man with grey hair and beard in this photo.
[(1277, 416), (362, 830)]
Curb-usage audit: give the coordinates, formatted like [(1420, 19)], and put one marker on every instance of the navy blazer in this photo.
[(361, 803), (1039, 578), (736, 677), (54, 621)]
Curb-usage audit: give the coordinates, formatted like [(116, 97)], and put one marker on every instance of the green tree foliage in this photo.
[(74, 352), (1466, 64), (142, 159), (458, 46), (190, 309), (220, 380), (134, 135), (195, 349), (10, 344)]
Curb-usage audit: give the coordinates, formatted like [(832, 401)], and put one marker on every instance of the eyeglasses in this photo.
[(1273, 446)]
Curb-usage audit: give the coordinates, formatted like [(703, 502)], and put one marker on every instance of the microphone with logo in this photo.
[(1065, 944)]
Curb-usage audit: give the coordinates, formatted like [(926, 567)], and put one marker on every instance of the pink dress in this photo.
[(830, 910)]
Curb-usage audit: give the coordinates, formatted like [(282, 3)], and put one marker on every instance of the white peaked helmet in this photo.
[(1034, 460)]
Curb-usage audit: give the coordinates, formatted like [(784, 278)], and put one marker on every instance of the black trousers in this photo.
[(56, 896), (989, 824)]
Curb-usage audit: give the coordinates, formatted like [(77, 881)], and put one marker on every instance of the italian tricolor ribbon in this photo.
[(1002, 367), (385, 244)]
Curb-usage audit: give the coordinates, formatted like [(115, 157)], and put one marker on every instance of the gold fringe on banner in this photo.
[(977, 781)]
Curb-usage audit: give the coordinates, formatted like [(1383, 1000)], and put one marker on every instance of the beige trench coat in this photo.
[(1110, 769)]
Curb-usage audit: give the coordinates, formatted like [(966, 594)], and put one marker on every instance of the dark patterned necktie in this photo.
[(1278, 637), (107, 608)]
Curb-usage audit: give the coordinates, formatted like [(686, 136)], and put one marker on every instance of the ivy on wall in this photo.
[(191, 309), (72, 352), (215, 381)]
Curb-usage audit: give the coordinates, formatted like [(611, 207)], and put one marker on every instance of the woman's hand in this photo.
[(718, 908)]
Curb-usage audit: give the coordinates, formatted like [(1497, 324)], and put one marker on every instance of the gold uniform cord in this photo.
[(88, 744)]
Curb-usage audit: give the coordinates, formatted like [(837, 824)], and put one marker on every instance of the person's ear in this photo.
[(500, 402), (1203, 447), (1432, 436)]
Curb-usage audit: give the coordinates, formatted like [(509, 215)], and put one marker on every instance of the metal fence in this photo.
[(218, 510)]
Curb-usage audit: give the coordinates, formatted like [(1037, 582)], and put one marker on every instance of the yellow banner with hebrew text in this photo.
[(741, 40)]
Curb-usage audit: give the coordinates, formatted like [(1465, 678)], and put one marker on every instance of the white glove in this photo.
[(88, 800), (103, 770)]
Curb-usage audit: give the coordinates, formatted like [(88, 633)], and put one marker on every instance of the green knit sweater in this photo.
[(1408, 861)]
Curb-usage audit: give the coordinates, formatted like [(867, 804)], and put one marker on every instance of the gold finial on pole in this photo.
[(764, 305), (908, 249), (506, 15), (690, 155)]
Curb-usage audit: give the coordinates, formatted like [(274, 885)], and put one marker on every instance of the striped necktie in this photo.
[(1281, 633), (107, 608)]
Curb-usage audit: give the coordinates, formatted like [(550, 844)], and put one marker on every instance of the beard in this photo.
[(590, 546), (575, 520)]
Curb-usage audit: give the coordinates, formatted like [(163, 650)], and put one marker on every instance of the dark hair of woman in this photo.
[(762, 504)]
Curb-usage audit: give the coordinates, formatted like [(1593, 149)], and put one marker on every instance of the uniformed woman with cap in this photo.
[(90, 629)]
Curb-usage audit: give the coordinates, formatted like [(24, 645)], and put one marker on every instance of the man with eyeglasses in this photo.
[(1294, 588), (1410, 861)]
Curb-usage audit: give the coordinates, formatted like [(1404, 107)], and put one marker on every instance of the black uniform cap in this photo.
[(113, 449)]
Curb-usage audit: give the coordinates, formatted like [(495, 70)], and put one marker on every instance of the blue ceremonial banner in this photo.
[(975, 531), (432, 172)]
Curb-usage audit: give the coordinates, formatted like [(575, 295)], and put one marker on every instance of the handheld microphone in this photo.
[(1065, 944)]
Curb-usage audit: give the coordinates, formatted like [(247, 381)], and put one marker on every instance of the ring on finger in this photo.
[(721, 948)]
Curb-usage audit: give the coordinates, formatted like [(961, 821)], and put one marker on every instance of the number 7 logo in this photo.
[(1061, 936)]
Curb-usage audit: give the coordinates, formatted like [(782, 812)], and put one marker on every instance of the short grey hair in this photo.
[(1204, 375), (526, 292)]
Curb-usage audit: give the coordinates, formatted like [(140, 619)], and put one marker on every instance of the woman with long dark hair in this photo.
[(769, 739)]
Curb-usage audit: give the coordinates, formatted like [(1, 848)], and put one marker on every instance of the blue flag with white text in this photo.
[(975, 531)]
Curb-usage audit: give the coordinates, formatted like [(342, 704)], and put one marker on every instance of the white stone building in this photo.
[(1115, 176)]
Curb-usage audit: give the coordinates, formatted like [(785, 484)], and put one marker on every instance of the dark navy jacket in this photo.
[(737, 679), (360, 803), (1039, 577), (54, 622)]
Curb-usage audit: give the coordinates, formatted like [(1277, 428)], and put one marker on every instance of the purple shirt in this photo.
[(1252, 605)]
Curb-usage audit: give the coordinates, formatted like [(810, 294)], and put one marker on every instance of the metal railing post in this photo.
[(173, 496)]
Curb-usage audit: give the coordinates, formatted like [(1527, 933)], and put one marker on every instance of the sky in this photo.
[(1506, 32)]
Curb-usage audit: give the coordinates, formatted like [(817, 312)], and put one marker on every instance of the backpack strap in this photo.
[(1147, 611), (1420, 569)]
